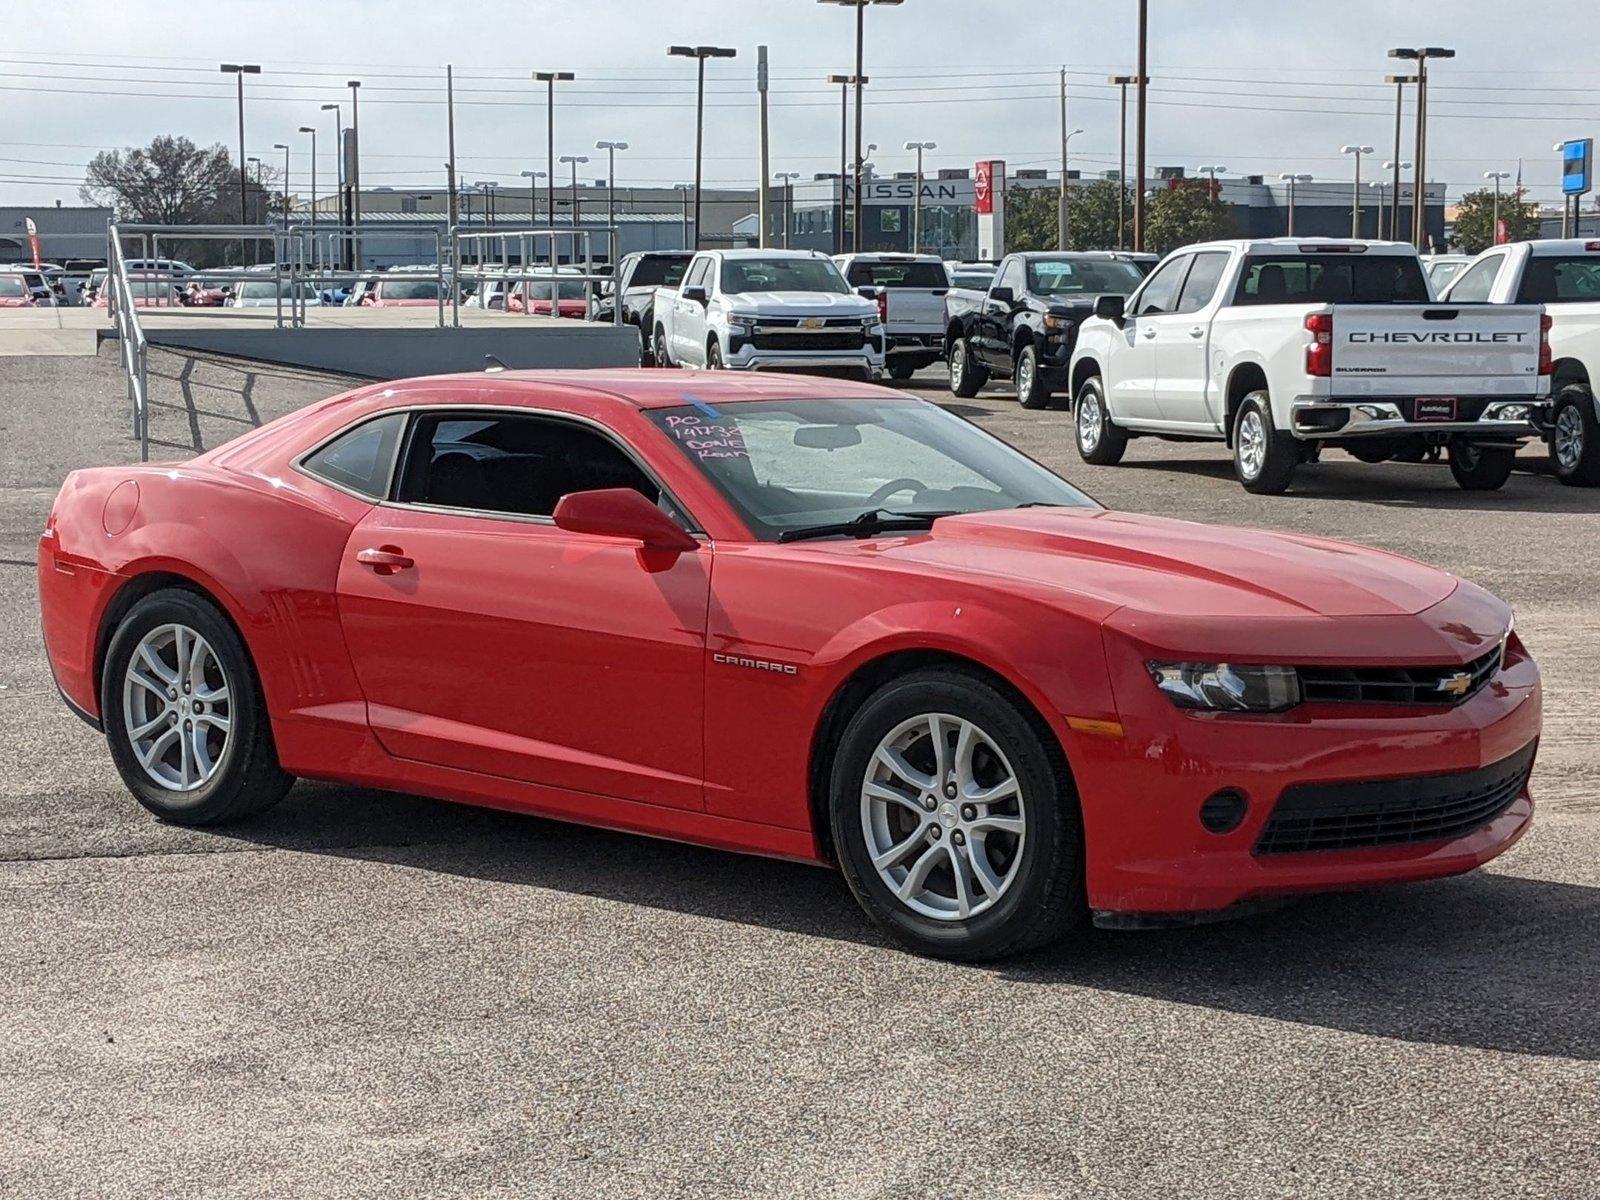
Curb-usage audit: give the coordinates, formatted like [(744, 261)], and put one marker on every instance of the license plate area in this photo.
[(1434, 408)]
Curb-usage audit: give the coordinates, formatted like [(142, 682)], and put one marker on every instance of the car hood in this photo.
[(800, 304), (1181, 584)]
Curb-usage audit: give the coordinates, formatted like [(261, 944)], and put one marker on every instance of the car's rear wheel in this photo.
[(966, 376), (1481, 468), (1263, 458), (1100, 440), (956, 827), (184, 715), (658, 349), (901, 371), (1575, 438), (1032, 391)]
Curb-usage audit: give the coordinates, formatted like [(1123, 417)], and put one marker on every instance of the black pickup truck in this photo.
[(1024, 326)]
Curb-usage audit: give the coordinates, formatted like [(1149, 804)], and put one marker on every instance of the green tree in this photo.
[(1474, 223), (1033, 217), (1187, 212), (1092, 215)]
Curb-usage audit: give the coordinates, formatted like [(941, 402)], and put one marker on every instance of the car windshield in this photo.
[(1552, 279), (975, 280), (422, 289), (898, 275), (791, 464), (12, 287), (150, 289), (781, 275), (261, 290), (567, 290), (1082, 277), (1337, 278), (659, 272), (1442, 273)]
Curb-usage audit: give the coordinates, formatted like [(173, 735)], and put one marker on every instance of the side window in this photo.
[(1012, 277), (1476, 281), (1160, 294), (518, 464), (698, 270), (361, 459), (1201, 285)]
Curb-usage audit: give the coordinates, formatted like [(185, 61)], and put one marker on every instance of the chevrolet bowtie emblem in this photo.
[(1456, 685), (811, 323)]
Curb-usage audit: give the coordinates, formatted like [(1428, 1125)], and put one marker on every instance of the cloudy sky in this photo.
[(1260, 86)]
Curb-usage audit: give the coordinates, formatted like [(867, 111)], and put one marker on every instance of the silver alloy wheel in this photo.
[(1024, 376), (1569, 437), (177, 707), (1252, 444), (944, 817), (1091, 421), (958, 363)]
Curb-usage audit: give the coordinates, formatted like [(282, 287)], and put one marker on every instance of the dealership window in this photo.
[(889, 220), (360, 460)]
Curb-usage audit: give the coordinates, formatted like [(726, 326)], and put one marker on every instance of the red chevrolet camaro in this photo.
[(798, 617)]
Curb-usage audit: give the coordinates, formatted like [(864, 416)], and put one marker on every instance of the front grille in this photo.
[(1399, 685), (795, 322), (805, 340), (1393, 812)]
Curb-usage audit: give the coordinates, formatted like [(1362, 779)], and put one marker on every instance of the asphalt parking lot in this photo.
[(364, 993)]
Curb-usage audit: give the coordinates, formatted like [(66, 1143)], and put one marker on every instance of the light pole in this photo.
[(916, 204), (239, 71), (1355, 192), (787, 178), (533, 198), (487, 187), (255, 162), (683, 191), (550, 79), (1122, 81), (311, 129), (574, 160), (1399, 82), (1143, 84), (338, 157), (1396, 167), (1291, 179), (845, 83), (699, 54), (1497, 176), (611, 149), (1064, 230), (861, 12), (1419, 198), (1213, 172), (284, 147)]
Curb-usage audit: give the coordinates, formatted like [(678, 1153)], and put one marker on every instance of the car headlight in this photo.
[(1054, 322), (741, 324), (1227, 687)]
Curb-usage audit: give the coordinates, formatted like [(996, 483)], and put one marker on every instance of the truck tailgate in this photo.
[(1397, 349), (916, 310)]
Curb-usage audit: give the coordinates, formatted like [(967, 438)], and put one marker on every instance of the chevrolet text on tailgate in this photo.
[(1281, 347)]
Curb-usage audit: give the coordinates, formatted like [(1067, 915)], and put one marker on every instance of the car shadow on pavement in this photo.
[(1486, 961)]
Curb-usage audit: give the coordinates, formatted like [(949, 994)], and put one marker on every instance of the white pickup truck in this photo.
[(1282, 346), (747, 310), (910, 294), (1563, 274)]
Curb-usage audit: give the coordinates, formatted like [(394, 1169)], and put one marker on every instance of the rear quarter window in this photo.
[(360, 460)]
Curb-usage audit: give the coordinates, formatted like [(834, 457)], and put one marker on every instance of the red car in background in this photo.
[(146, 293), (571, 298), (15, 292), (798, 617), (400, 292)]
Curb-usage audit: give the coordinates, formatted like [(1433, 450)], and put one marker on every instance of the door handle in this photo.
[(385, 560), (1198, 331), (1148, 331)]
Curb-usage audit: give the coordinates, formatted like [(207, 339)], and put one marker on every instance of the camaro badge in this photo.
[(755, 664), (1456, 685)]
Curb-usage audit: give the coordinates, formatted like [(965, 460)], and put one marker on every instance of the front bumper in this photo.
[(1493, 418), (742, 354), (1149, 856), (927, 347)]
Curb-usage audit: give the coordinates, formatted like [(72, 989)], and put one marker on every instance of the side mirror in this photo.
[(868, 291), (697, 294), (1002, 295), (622, 513), (1111, 308)]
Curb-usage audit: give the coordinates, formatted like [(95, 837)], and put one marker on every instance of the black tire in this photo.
[(1044, 899), (647, 356), (659, 350), (1481, 468), (714, 355), (1032, 391), (902, 371), (1371, 452), (1100, 440), (1575, 438), (966, 376), (247, 778), (1279, 454)]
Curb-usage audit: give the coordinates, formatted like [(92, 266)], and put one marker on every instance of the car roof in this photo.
[(1564, 246), (734, 255), (1305, 245), (648, 388)]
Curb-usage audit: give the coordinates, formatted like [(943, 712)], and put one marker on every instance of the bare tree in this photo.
[(171, 181)]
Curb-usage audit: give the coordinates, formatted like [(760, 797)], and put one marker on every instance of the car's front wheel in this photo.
[(1100, 440), (966, 376), (184, 715), (956, 826), (1032, 391)]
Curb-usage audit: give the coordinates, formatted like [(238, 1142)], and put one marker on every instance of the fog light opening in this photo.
[(1224, 811)]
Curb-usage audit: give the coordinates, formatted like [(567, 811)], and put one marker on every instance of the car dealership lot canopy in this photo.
[(365, 991)]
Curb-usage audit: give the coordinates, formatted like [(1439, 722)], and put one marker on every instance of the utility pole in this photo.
[(1419, 197), (916, 203), (1292, 179), (1139, 137), (1355, 193), (764, 216), (1062, 236), (1122, 81)]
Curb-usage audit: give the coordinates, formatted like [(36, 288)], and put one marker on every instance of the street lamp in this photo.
[(574, 160), (1291, 179), (1419, 200), (699, 54), (1122, 81), (1399, 82), (916, 204), (1064, 233), (1396, 166), (284, 147), (353, 176), (338, 156), (487, 187), (845, 82), (311, 129), (239, 71), (1497, 176), (550, 79), (1355, 193), (1143, 83), (683, 192), (533, 198), (611, 149), (787, 178), (1213, 172), (255, 162), (861, 11)]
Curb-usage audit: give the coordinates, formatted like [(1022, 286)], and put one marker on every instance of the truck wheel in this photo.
[(1575, 438), (1099, 440), (658, 349), (966, 376), (714, 355), (647, 356), (1480, 468), (1031, 389), (901, 370), (1263, 458)]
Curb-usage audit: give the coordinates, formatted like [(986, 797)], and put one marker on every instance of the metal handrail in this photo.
[(135, 350), (531, 266)]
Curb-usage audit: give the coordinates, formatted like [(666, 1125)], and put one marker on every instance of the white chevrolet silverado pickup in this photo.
[(1283, 346), (1563, 274), (786, 310), (910, 291)]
